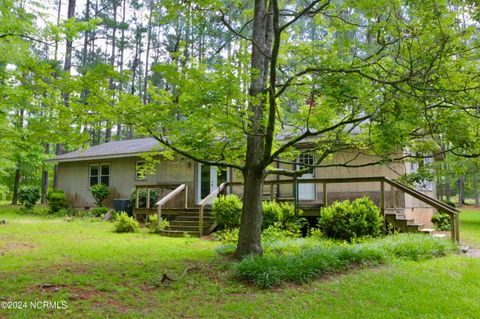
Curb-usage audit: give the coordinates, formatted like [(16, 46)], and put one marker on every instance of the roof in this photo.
[(126, 148)]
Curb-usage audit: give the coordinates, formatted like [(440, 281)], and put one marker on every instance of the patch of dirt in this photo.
[(16, 246), (474, 253), (83, 293)]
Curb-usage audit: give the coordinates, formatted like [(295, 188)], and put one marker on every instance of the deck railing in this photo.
[(220, 189), (435, 203), (167, 198)]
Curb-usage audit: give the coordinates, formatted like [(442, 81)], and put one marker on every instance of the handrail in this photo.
[(167, 198), (442, 207), (206, 201)]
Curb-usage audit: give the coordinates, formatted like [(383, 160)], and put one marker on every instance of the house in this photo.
[(120, 165)]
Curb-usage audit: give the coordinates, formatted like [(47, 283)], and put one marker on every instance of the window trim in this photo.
[(100, 175), (136, 170)]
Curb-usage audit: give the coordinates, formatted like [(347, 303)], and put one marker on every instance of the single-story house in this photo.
[(120, 165)]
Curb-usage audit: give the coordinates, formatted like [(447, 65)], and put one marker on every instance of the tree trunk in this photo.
[(475, 187), (43, 199), (66, 97), (249, 238), (461, 195), (448, 192), (122, 55), (147, 54), (59, 11), (16, 185)]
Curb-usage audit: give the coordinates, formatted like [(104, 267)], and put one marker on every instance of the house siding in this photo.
[(73, 178)]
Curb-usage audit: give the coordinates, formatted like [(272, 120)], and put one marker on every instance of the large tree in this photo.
[(377, 76)]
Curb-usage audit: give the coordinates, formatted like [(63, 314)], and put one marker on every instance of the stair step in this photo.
[(187, 228), (427, 230), (192, 218), (175, 223), (178, 233)]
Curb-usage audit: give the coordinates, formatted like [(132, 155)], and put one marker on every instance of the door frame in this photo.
[(313, 185), (198, 180)]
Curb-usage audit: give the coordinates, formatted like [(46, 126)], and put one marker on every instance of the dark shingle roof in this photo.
[(109, 150)]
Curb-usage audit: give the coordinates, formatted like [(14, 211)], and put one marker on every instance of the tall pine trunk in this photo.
[(16, 185), (44, 189), (66, 97), (475, 189)]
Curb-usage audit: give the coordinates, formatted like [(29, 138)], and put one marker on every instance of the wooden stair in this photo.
[(395, 217), (186, 223)]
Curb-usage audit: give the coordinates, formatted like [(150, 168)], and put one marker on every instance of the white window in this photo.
[(306, 160), (99, 174), (140, 174)]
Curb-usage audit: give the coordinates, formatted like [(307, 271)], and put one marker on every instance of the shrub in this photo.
[(56, 200), (283, 217), (28, 196), (227, 236), (226, 211), (152, 223), (350, 220), (272, 213), (276, 232), (305, 261), (99, 211), (125, 223), (100, 192), (441, 221), (450, 203)]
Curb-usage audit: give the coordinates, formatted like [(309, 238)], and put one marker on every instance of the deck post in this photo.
[(271, 192), (324, 194), (159, 217), (147, 204), (457, 228), (382, 195), (200, 222), (186, 195), (453, 227)]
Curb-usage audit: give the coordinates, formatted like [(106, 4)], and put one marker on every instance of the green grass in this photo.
[(316, 258), (102, 274), (470, 226)]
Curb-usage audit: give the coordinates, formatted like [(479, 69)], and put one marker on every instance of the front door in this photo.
[(306, 191), (208, 179)]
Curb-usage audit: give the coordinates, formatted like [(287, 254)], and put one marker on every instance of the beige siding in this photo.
[(73, 178)]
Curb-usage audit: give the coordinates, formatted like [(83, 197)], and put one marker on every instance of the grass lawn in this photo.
[(470, 226), (100, 274)]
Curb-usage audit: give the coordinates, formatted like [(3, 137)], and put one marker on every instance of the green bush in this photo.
[(276, 232), (441, 221), (28, 196), (100, 192), (227, 236), (283, 217), (99, 211), (308, 259), (271, 214), (350, 220), (56, 200), (152, 223), (450, 203), (125, 223), (226, 211)]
